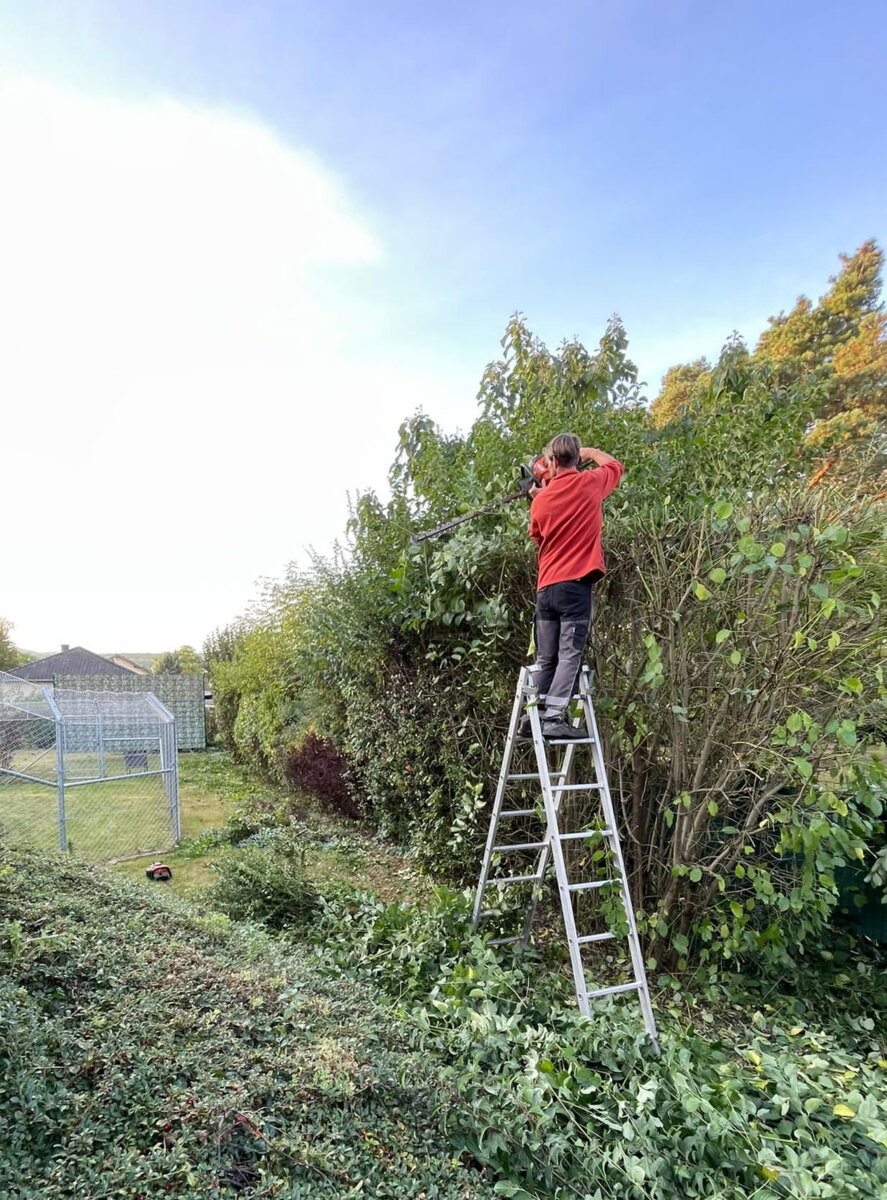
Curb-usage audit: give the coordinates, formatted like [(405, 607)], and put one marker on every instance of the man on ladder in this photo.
[(566, 521)]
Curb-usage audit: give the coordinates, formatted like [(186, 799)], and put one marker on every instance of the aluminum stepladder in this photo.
[(554, 784)]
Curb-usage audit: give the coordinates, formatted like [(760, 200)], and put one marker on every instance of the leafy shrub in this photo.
[(256, 885), (314, 765)]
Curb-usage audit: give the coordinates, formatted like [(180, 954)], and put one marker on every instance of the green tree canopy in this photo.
[(736, 643), (184, 661), (9, 656)]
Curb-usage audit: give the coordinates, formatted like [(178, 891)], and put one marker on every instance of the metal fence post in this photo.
[(59, 769), (169, 763), (172, 741), (100, 732)]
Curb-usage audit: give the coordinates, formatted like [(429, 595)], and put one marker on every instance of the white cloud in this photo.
[(175, 316)]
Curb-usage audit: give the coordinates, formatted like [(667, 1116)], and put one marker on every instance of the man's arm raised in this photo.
[(600, 457), (611, 468)]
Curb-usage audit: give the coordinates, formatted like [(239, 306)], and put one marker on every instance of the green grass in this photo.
[(205, 802), (103, 820), (152, 1046), (213, 789)]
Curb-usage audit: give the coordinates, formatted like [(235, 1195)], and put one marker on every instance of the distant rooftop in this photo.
[(69, 661)]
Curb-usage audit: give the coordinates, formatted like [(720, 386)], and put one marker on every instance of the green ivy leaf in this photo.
[(717, 575)]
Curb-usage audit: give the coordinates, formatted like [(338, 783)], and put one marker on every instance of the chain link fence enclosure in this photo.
[(94, 773)]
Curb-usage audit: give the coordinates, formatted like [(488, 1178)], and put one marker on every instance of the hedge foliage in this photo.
[(772, 1086), (773, 1089), (738, 643)]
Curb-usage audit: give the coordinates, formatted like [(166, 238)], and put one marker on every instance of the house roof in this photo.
[(75, 661), (130, 664)]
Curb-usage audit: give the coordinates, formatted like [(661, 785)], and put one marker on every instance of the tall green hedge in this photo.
[(737, 644)]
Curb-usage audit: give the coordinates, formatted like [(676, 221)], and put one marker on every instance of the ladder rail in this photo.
[(555, 783), (556, 851), (500, 796), (634, 944), (563, 774)]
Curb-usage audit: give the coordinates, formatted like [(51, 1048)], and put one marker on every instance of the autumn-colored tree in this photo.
[(840, 343), (808, 338), (679, 385)]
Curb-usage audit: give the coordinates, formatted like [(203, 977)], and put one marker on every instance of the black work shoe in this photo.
[(525, 729), (560, 730)]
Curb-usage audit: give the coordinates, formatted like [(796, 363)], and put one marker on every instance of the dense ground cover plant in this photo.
[(150, 1046), (772, 1086), (269, 887), (146, 1050)]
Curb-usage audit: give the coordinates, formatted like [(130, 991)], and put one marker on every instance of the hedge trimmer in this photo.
[(526, 480), (535, 475)]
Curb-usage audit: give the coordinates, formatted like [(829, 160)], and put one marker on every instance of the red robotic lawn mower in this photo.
[(159, 872)]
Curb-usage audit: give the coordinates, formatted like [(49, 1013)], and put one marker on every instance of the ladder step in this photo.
[(535, 775), (587, 833), (595, 937), (518, 846), (518, 812), (511, 879), (581, 887), (611, 991), (505, 941), (569, 741), (576, 787), (532, 775)]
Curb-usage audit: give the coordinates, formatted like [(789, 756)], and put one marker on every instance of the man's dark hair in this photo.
[(565, 449)]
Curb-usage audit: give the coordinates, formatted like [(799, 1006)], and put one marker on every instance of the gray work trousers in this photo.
[(563, 618)]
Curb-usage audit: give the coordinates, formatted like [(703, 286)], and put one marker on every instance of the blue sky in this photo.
[(691, 166)]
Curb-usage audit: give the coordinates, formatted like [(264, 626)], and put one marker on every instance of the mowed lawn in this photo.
[(105, 820), (203, 804), (125, 824)]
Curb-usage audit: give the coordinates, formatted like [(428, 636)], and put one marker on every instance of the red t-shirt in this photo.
[(566, 519)]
